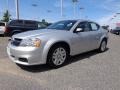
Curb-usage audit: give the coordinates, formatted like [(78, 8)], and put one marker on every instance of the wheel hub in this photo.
[(59, 56)]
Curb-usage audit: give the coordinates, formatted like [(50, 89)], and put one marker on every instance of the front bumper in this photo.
[(25, 55)]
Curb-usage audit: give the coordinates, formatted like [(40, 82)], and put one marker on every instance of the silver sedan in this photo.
[(56, 43)]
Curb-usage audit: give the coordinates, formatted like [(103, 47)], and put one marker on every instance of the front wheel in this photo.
[(57, 56), (103, 46)]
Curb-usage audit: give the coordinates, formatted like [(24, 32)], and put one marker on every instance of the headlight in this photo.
[(31, 42)]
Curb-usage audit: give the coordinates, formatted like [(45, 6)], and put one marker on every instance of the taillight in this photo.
[(6, 29)]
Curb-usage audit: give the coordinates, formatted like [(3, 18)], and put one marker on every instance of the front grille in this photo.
[(16, 42)]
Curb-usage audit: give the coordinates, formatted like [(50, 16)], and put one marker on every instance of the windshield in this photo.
[(62, 25)]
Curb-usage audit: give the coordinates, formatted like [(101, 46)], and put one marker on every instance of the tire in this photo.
[(57, 56), (118, 33), (103, 46)]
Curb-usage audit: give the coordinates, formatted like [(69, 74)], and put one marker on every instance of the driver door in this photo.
[(81, 40)]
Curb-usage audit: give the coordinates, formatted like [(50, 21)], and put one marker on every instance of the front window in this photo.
[(84, 26), (62, 25)]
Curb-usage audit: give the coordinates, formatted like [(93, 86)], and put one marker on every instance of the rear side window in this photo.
[(94, 26), (2, 24), (16, 23), (30, 24)]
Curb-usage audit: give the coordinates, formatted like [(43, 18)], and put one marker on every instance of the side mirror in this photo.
[(79, 30)]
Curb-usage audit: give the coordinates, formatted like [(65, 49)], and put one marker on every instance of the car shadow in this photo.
[(1, 35), (84, 56), (73, 59)]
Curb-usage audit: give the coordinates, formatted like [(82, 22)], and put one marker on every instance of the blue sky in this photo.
[(97, 10)]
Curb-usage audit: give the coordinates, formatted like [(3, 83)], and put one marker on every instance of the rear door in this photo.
[(95, 35), (81, 40)]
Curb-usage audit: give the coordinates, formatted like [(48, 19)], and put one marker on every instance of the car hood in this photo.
[(38, 33)]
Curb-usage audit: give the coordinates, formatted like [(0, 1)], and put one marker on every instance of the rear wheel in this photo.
[(103, 46), (118, 33), (57, 56)]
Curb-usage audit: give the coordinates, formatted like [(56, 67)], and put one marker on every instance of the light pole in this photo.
[(61, 8), (7, 5), (74, 7), (17, 8), (81, 13)]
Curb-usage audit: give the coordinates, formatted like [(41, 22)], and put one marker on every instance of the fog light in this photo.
[(23, 60)]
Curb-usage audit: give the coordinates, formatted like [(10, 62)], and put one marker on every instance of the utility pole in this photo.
[(17, 8), (81, 12), (62, 9), (74, 7)]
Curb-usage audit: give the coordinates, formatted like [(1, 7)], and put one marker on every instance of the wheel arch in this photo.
[(15, 31), (62, 43), (103, 38), (49, 46)]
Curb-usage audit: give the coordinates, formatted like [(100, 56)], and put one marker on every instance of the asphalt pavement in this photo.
[(89, 71)]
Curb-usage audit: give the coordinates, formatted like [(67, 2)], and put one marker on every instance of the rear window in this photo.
[(2, 24)]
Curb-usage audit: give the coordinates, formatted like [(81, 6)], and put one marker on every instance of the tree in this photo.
[(44, 22), (6, 16)]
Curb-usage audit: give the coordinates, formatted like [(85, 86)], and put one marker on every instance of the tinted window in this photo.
[(16, 23), (30, 24), (94, 26)]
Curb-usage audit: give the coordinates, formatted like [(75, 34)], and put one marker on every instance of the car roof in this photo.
[(24, 20), (79, 20)]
